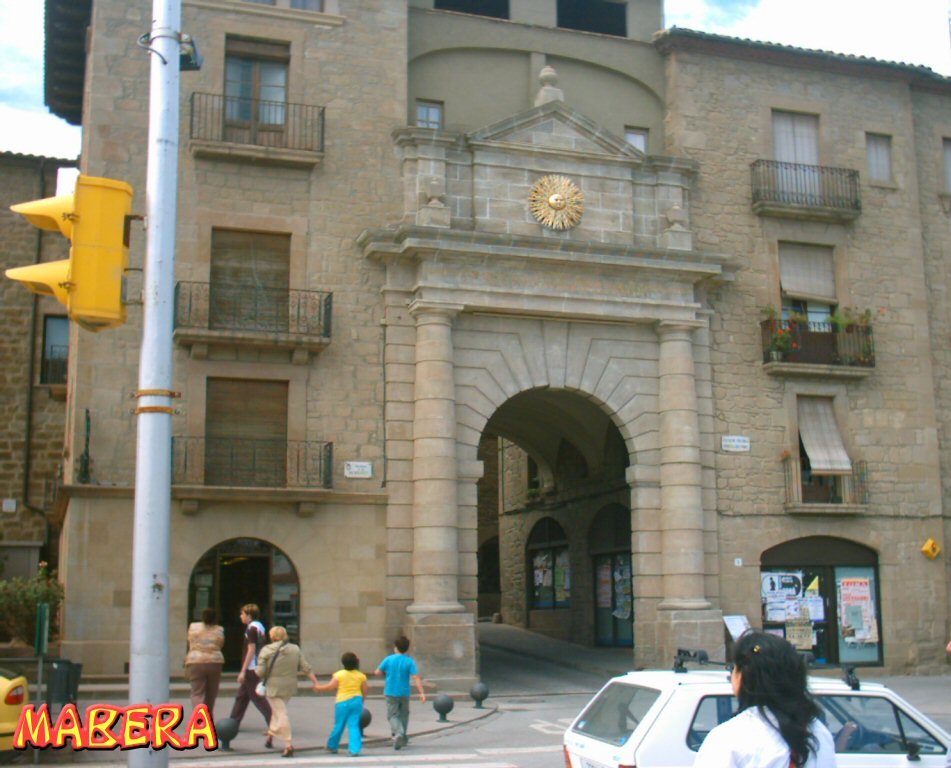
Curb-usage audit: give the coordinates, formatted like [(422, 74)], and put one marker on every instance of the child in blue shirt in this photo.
[(399, 669)]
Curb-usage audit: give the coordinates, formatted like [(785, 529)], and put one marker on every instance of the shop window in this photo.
[(822, 594), (601, 16), (429, 114), (549, 565), (55, 349), (498, 9)]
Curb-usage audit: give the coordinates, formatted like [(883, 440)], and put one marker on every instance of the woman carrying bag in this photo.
[(281, 662)]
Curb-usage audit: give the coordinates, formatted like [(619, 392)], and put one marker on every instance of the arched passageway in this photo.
[(554, 477)]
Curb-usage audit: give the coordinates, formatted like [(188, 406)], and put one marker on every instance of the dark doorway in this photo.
[(242, 579), (241, 571)]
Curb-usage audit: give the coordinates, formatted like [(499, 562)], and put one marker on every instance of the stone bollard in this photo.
[(443, 704), (479, 693), (227, 729)]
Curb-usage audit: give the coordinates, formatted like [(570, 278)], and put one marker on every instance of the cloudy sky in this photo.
[(912, 31)]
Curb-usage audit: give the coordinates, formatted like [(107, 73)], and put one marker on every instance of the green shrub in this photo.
[(18, 601)]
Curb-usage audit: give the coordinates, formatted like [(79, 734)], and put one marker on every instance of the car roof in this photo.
[(664, 679)]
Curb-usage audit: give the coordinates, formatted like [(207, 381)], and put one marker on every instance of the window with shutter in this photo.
[(246, 432), (250, 280), (878, 149), (796, 146)]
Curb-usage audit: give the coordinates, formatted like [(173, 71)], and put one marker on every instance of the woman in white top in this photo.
[(777, 725)]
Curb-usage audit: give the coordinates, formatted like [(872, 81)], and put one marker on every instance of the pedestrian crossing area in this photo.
[(488, 757)]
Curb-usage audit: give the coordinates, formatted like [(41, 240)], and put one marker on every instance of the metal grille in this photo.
[(818, 343), (240, 308), (244, 462), (817, 186), (54, 365), (283, 125), (806, 488)]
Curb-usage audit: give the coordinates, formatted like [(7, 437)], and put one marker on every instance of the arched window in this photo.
[(549, 568), (821, 593)]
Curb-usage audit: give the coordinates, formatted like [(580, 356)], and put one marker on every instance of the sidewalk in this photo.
[(312, 715)]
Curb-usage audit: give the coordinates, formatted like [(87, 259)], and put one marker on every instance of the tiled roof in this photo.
[(65, 57), (20, 156), (677, 36)]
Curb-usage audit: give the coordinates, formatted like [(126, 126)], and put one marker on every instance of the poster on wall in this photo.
[(857, 622), (799, 633), (622, 590), (562, 577), (781, 594), (604, 585)]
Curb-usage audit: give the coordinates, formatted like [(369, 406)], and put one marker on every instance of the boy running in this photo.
[(399, 669)]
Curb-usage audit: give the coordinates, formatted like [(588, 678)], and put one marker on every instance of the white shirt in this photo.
[(750, 741)]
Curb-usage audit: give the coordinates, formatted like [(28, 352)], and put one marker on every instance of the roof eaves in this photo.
[(735, 47)]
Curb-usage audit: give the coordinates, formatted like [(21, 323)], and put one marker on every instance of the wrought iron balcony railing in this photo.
[(54, 364), (277, 124), (804, 487), (777, 183), (252, 463), (818, 343), (240, 308)]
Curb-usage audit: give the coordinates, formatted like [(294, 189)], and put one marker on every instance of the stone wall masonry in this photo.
[(33, 421), (891, 414), (888, 260), (932, 115), (355, 185)]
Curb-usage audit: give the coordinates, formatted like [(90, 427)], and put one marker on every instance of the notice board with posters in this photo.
[(857, 630)]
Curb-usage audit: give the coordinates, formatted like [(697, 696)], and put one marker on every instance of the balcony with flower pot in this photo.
[(843, 347)]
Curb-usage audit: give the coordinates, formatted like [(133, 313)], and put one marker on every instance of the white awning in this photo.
[(820, 437), (806, 271)]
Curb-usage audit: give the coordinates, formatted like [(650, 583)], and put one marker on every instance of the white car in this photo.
[(656, 719)]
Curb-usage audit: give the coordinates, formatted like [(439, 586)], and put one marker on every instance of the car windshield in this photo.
[(615, 712), (872, 724)]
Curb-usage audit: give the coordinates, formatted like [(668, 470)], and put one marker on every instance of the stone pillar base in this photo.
[(692, 630), (444, 646)]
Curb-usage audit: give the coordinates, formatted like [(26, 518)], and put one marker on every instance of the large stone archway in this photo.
[(482, 302)]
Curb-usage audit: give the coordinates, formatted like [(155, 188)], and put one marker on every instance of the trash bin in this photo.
[(62, 683)]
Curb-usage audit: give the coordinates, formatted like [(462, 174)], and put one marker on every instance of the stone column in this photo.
[(681, 481), (443, 633), (435, 471)]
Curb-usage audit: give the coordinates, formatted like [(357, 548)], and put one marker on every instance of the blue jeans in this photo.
[(347, 714)]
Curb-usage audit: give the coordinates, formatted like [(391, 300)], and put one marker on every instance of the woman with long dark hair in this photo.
[(777, 725)]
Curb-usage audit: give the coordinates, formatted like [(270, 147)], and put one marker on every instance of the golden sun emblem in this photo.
[(556, 202)]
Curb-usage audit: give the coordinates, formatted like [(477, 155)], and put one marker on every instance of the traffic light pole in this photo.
[(149, 656)]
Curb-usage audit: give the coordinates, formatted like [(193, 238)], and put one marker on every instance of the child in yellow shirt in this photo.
[(351, 687)]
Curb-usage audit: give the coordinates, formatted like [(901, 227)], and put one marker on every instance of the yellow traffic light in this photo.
[(90, 282)]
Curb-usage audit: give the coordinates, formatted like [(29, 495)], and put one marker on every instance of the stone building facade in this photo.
[(468, 322), (33, 354)]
